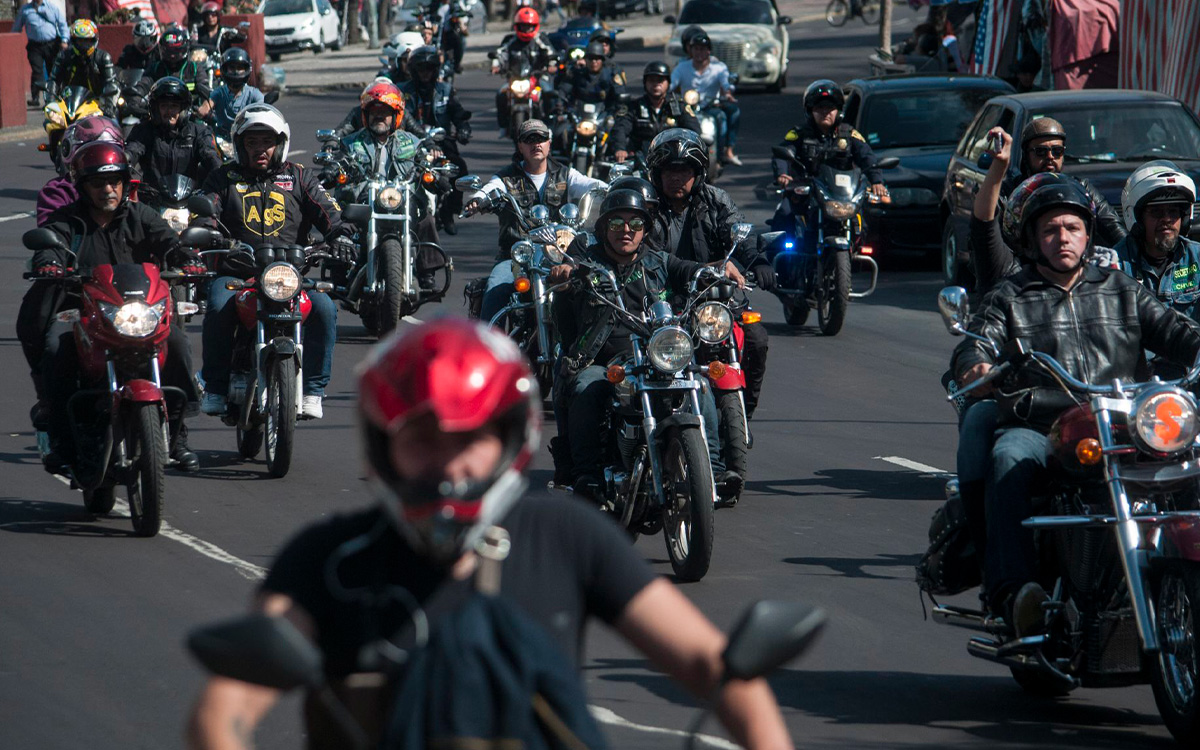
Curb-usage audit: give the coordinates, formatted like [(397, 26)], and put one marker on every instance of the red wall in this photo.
[(255, 44), (114, 37), (14, 79)]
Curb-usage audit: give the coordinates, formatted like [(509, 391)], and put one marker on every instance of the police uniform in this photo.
[(636, 126), (810, 143)]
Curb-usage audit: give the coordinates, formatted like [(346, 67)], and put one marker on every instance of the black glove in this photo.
[(464, 135), (344, 250), (766, 276)]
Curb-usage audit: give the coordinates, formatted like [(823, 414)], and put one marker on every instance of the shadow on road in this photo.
[(856, 567), (23, 516), (877, 485)]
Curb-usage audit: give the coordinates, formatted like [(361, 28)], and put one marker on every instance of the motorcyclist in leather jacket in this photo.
[(105, 227), (84, 64), (657, 109), (264, 199), (143, 53), (1095, 321), (175, 60), (172, 142), (525, 42)]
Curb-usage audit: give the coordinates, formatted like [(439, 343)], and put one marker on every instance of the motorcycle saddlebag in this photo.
[(951, 564), (473, 296)]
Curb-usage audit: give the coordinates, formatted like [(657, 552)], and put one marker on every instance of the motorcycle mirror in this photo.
[(539, 214), (492, 55), (356, 213), (669, 20), (740, 231), (468, 182), (569, 214), (43, 239), (890, 162), (326, 135), (955, 308), (322, 157), (436, 134), (787, 153), (271, 97), (768, 635), (198, 237), (785, 20), (201, 206), (258, 649)]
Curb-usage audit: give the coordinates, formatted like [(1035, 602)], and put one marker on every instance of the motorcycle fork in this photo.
[(257, 403), (539, 316), (407, 243)]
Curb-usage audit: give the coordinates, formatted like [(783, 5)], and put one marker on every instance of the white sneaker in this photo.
[(214, 404), (311, 407)]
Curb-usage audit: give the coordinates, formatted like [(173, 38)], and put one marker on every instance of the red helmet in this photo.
[(99, 157), (210, 7), (466, 376), (386, 94), (526, 24)]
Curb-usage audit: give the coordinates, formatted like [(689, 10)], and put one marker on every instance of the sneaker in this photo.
[(311, 407), (214, 404), (1027, 615), (732, 158)]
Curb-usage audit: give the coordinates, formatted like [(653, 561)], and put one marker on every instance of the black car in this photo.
[(1110, 133), (918, 118)]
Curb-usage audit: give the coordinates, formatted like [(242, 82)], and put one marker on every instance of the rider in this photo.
[(592, 338), (235, 93), (525, 42), (262, 198), (1095, 321), (535, 179), (84, 64), (143, 53), (450, 427), (614, 71), (172, 142), (353, 121), (104, 227), (654, 111), (210, 31), (709, 77), (176, 61), (590, 84), (60, 191), (434, 103), (693, 221), (823, 131)]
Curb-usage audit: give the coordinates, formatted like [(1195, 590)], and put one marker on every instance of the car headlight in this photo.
[(768, 49), (840, 210), (522, 252), (389, 199), (713, 322), (1164, 420), (177, 218), (586, 128), (670, 349), (280, 282), (913, 197), (134, 319), (520, 87)]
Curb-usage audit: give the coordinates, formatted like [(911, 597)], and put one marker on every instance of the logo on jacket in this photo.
[(273, 213)]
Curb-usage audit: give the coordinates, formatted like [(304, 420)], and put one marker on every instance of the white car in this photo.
[(294, 25), (747, 35)]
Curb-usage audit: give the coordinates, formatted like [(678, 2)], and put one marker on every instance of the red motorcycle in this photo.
[(118, 418)]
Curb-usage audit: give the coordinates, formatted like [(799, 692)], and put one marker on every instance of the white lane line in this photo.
[(296, 152), (14, 217), (914, 465), (411, 320), (605, 716)]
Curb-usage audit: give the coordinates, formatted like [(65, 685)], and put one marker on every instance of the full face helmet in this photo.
[(526, 24), (84, 37)]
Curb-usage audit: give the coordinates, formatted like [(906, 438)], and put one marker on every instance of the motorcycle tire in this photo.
[(581, 164), (795, 313), (834, 296), (249, 442), (280, 418), (100, 500), (870, 12), (735, 440), (391, 255), (688, 520), (1174, 669), (146, 448), (837, 12)]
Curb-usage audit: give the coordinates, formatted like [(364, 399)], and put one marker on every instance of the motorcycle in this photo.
[(396, 276), (813, 260), (72, 103), (133, 104), (704, 108), (588, 135), (524, 92), (1117, 530), (119, 418)]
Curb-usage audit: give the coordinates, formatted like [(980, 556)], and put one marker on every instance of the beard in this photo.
[(1164, 242)]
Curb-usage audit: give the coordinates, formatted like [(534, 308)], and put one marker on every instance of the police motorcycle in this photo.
[(813, 262), (386, 284), (1117, 533)]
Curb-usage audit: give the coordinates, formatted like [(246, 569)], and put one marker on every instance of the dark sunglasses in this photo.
[(1044, 151), (616, 224), (535, 138), (1164, 212)]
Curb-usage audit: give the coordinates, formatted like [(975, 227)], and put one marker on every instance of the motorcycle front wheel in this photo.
[(280, 427), (837, 12), (391, 254), (735, 440), (1174, 677), (833, 294), (795, 311), (146, 449), (249, 442), (688, 513)]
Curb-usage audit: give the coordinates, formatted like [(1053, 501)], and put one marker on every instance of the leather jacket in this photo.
[(518, 184), (135, 234), (1097, 331), (636, 126), (707, 222), (540, 54), (157, 152), (436, 106), (94, 72)]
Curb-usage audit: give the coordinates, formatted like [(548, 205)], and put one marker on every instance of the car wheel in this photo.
[(275, 56), (779, 84), (953, 272)]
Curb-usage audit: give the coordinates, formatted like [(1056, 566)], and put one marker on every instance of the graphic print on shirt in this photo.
[(264, 215)]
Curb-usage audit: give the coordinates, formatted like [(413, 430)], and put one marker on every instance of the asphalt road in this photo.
[(92, 620)]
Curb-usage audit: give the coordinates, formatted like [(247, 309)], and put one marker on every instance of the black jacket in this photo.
[(435, 106), (132, 57), (1097, 331), (156, 152), (1110, 230), (540, 54), (517, 183), (94, 72), (189, 72), (637, 125), (210, 42), (811, 144), (580, 85), (705, 233), (136, 234)]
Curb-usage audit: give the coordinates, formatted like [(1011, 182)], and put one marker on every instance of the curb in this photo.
[(21, 133)]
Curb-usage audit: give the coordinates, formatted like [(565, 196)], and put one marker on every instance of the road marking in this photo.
[(296, 152), (914, 465), (14, 217), (605, 716)]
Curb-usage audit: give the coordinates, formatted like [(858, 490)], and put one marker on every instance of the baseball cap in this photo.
[(531, 128)]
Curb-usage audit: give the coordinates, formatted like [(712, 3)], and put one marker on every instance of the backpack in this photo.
[(951, 563)]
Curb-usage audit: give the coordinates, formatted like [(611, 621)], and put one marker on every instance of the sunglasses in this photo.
[(1044, 151), (616, 224), (1159, 213), (535, 138)]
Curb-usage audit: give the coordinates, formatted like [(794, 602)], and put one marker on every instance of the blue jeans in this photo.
[(1019, 459), (499, 290), (220, 325), (729, 117), (976, 434)]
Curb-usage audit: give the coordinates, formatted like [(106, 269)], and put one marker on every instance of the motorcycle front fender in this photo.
[(680, 420), (141, 392), (733, 380), (281, 346)]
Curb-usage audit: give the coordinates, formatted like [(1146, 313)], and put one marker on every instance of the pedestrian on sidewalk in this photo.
[(46, 31)]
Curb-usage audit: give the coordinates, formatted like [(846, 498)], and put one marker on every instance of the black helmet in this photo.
[(167, 88), (637, 184), (174, 44), (823, 90), (596, 49), (605, 38), (677, 146), (656, 68), (690, 33), (620, 200), (235, 66), (423, 57), (1034, 197)]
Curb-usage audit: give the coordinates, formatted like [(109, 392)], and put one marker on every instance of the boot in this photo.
[(181, 456)]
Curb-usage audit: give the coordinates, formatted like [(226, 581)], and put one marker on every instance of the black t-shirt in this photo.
[(566, 562)]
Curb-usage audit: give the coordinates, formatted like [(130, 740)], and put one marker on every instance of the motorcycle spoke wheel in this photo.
[(391, 257), (688, 514), (146, 448), (836, 13), (280, 417), (1174, 676), (870, 12)]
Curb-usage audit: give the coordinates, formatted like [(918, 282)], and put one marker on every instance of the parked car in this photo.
[(918, 118), (1110, 132), (294, 25), (613, 8), (747, 35)]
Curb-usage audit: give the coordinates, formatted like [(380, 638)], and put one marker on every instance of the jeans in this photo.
[(221, 322), (500, 288), (975, 439), (1019, 459), (588, 397), (728, 116)]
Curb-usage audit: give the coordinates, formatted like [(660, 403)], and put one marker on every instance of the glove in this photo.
[(48, 269), (192, 264), (766, 277), (464, 135), (344, 250)]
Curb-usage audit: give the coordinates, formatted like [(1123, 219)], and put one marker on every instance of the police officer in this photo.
[(656, 110), (614, 71), (172, 142), (433, 103), (84, 64)]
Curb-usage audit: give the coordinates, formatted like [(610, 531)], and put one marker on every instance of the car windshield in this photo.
[(725, 11), (283, 7), (921, 118), (1137, 131)]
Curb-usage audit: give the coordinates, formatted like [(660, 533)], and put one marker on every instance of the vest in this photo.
[(430, 112), (521, 187)]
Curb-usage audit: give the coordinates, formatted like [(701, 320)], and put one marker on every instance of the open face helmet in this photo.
[(99, 157), (1157, 182)]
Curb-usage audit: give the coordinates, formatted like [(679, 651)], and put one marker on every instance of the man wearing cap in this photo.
[(590, 84), (535, 179), (709, 77), (46, 34), (653, 112)]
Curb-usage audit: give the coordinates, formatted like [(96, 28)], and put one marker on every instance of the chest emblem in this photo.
[(264, 217)]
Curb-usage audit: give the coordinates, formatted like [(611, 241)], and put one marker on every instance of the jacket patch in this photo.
[(270, 221), (285, 182)]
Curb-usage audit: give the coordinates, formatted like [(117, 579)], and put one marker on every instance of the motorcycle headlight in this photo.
[(134, 319), (280, 282), (1164, 420), (713, 322), (520, 87), (586, 128), (708, 128), (522, 252), (55, 115), (389, 199), (670, 349), (691, 97), (177, 218), (840, 210)]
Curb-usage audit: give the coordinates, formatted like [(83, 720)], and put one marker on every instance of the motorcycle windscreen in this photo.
[(177, 188), (841, 184)]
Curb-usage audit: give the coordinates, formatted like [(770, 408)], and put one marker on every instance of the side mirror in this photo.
[(201, 206), (890, 162), (356, 213), (258, 649), (199, 237), (436, 134), (669, 19), (955, 308), (739, 232), (491, 54), (784, 20), (468, 183), (539, 215), (787, 153), (43, 239), (327, 135), (769, 635), (569, 214), (271, 97), (322, 158)]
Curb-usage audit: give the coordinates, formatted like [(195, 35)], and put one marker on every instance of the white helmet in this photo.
[(1158, 181), (261, 117)]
